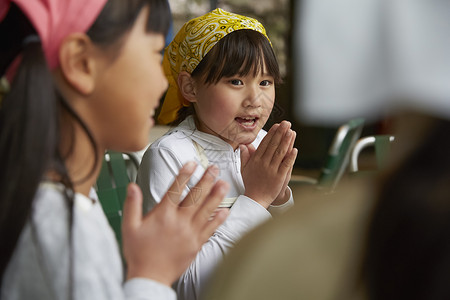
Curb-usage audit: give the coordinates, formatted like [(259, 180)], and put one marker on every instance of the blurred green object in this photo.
[(338, 157), (339, 154), (112, 184), (382, 147)]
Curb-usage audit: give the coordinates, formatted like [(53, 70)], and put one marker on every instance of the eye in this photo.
[(236, 82), (265, 83)]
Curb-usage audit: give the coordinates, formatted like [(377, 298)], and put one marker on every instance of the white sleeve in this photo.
[(142, 288), (277, 210), (244, 216)]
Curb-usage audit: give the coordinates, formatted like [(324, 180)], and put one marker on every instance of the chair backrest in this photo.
[(382, 147), (112, 185), (339, 154)]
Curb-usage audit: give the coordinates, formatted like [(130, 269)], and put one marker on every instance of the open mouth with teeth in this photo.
[(247, 121)]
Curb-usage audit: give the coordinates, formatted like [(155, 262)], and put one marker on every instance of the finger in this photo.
[(245, 155), (211, 226), (246, 152), (293, 137), (210, 204), (202, 188), (289, 172), (132, 209), (173, 195), (288, 161), (282, 148), (275, 145), (266, 140), (288, 176), (251, 149)]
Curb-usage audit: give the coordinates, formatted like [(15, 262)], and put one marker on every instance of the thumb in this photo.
[(132, 209), (251, 149), (245, 155)]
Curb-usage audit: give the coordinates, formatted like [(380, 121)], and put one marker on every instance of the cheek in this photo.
[(128, 119), (267, 107), (133, 133), (156, 73), (224, 113)]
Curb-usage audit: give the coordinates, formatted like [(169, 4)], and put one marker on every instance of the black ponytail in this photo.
[(26, 149), (29, 130)]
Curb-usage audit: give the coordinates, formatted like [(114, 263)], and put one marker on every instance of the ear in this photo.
[(77, 63), (187, 86)]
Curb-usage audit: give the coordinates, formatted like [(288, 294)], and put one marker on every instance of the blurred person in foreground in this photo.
[(384, 237)]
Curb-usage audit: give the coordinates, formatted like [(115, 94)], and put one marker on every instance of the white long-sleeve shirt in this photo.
[(161, 164), (40, 268)]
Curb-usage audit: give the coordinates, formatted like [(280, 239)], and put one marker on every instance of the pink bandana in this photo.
[(55, 19)]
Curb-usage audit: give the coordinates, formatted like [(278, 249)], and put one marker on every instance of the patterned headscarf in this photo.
[(191, 44)]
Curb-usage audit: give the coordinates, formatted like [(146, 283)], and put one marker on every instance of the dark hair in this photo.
[(240, 52), (32, 112), (408, 246)]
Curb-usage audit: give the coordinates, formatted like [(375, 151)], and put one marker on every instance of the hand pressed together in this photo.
[(266, 171)]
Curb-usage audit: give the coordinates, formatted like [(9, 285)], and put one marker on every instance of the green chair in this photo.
[(112, 185), (339, 154), (338, 157), (382, 148)]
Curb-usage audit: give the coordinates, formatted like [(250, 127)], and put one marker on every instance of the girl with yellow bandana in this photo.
[(222, 73)]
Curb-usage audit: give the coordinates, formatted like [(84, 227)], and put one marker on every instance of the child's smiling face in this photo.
[(235, 108)]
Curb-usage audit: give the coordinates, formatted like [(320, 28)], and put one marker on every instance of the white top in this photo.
[(40, 268), (160, 165)]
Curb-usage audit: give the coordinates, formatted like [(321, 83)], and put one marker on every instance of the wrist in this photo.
[(264, 201), (283, 197), (149, 274)]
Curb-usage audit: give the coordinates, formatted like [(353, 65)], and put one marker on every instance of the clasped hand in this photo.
[(266, 171)]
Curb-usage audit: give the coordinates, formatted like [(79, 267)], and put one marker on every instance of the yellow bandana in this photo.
[(190, 45)]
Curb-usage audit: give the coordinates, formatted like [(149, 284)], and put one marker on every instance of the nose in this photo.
[(254, 96)]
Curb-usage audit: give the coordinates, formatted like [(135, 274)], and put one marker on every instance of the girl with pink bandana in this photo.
[(222, 73), (86, 76)]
